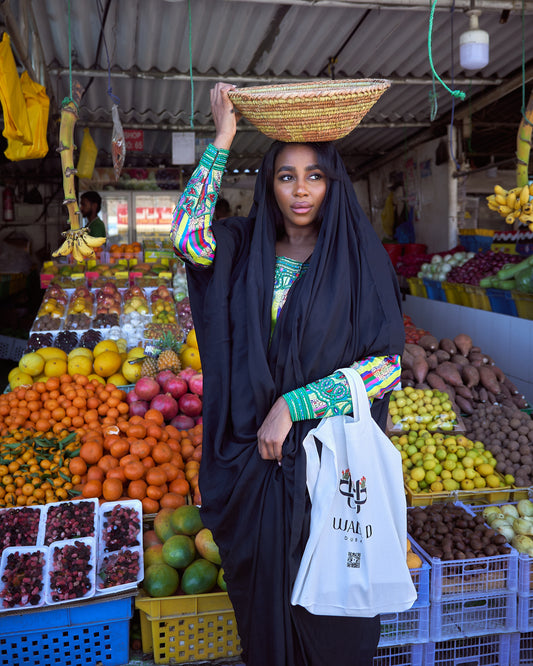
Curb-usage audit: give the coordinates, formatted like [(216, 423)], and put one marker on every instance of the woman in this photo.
[(281, 300)]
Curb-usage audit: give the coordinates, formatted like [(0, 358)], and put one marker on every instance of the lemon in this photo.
[(32, 364), (136, 352), (97, 377), (486, 470), (418, 474), (191, 340), (80, 365), (55, 367), (458, 474), (104, 346), (81, 351), (190, 358), (117, 379), (131, 371), (52, 352), (20, 379), (493, 481), (107, 363)]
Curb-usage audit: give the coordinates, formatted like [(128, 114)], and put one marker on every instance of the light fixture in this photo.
[(474, 44)]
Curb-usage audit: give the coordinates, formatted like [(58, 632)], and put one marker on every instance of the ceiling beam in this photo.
[(153, 74), (416, 5)]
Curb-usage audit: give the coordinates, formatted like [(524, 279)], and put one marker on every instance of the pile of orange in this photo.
[(125, 250), (140, 458)]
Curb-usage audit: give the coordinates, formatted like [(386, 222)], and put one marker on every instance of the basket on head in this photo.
[(309, 111)]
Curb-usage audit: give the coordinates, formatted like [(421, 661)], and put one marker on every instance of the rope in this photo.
[(457, 166), (190, 67), (454, 93)]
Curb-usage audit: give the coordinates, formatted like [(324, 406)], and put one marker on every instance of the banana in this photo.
[(501, 199), (524, 195), (504, 210), (531, 189), (86, 251), (527, 209), (511, 200), (510, 219), (493, 206), (93, 241), (65, 249), (76, 252), (498, 189)]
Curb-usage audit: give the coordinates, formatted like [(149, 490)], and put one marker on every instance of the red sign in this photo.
[(134, 139)]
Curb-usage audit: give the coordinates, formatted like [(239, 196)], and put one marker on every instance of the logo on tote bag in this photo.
[(354, 492)]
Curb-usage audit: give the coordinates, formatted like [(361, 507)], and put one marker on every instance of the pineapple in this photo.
[(168, 358), (149, 367)]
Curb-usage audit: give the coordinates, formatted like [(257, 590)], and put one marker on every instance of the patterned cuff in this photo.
[(213, 158), (299, 404)]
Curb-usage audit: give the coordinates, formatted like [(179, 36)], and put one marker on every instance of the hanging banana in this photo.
[(513, 204), (77, 242)]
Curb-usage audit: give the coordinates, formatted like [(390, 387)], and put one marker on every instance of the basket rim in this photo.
[(311, 89)]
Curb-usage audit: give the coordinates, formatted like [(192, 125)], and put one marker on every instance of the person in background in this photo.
[(90, 205), (222, 209), (281, 299)]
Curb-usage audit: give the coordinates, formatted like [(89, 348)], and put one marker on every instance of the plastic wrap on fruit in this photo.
[(118, 143)]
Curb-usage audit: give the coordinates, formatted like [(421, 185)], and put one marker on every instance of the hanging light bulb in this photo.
[(474, 44)]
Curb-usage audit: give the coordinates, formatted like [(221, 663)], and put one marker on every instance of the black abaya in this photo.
[(344, 308)]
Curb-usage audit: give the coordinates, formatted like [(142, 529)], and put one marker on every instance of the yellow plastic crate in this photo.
[(417, 287), (478, 297), (524, 304), (456, 294), (188, 628), (484, 496)]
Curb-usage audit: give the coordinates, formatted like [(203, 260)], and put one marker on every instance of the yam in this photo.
[(500, 375), (442, 355), (464, 392), (475, 393), (423, 386), (519, 401), (463, 342), (436, 381), (509, 384), (407, 374), (408, 382), (470, 375), (420, 369), (432, 360), (482, 391), (414, 349), (448, 345), (407, 360), (448, 371), (429, 342), (464, 405), (476, 359), (488, 379), (491, 397), (459, 360), (450, 391)]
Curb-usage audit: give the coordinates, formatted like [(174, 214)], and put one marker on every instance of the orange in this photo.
[(107, 363), (112, 489), (92, 488)]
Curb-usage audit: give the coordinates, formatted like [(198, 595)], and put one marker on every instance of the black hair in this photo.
[(222, 208), (93, 197), (325, 153)]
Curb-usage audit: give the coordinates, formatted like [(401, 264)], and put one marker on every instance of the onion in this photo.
[(138, 408), (182, 422), (190, 404), (165, 404), (147, 388)]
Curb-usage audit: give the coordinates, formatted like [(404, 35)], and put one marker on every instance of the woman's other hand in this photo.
[(274, 430), (225, 116)]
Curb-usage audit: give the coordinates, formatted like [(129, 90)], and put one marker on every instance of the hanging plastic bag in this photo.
[(87, 158), (16, 121), (118, 143), (38, 108)]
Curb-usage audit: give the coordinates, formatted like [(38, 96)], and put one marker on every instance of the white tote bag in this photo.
[(354, 562)]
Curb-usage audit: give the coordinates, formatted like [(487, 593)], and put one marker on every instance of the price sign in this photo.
[(134, 139)]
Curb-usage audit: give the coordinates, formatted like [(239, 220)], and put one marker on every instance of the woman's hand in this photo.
[(274, 430), (225, 115)]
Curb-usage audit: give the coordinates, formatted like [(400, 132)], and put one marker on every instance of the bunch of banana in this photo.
[(80, 244), (513, 204)]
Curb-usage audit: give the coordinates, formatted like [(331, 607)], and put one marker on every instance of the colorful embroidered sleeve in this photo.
[(190, 230), (331, 396)]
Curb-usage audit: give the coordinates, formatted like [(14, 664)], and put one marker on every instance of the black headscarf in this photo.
[(344, 308)]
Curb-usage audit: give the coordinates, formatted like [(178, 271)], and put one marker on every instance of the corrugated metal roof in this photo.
[(147, 43)]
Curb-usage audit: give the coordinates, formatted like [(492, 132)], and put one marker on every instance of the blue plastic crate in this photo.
[(522, 649), (401, 655), (435, 290), (410, 626), (501, 301), (84, 635), (473, 616), (492, 650)]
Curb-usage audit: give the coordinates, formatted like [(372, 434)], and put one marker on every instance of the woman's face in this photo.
[(299, 185)]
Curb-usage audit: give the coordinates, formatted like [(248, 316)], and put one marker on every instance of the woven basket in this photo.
[(309, 111)]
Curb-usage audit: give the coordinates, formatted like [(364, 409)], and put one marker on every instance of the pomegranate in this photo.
[(138, 408), (190, 404), (176, 386), (163, 376), (147, 388), (196, 383), (182, 422), (165, 404), (131, 396)]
